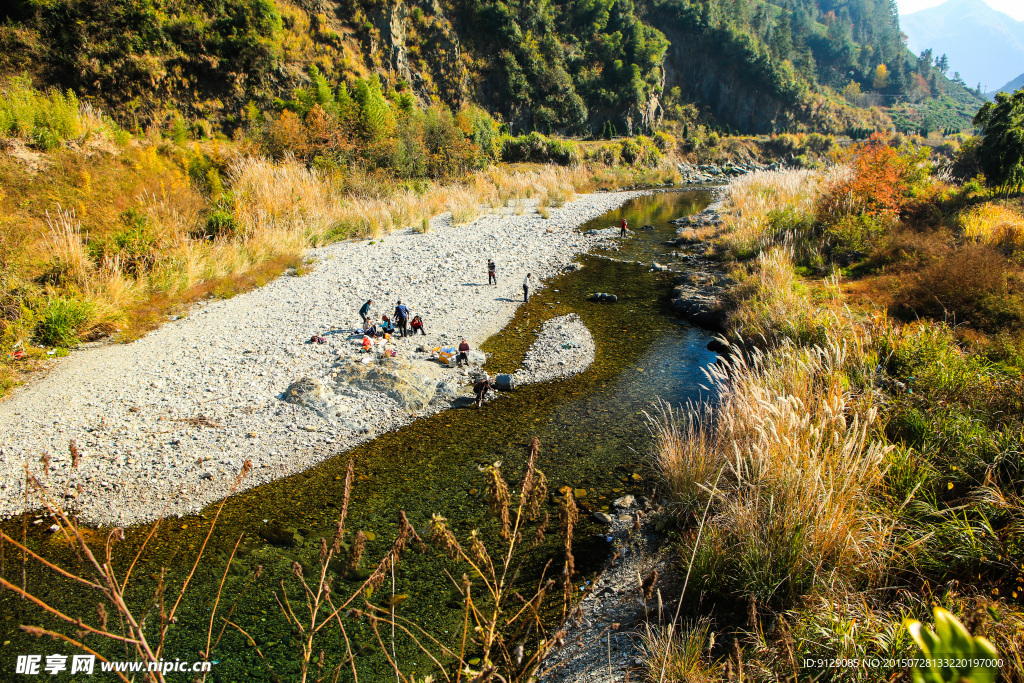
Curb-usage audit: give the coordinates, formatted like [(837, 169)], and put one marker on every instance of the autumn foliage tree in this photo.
[(878, 183)]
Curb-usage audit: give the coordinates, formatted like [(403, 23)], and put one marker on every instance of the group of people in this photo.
[(400, 325)]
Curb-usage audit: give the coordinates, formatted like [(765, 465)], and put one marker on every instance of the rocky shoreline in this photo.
[(162, 425)]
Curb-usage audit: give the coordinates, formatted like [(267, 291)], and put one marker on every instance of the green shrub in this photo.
[(61, 321), (47, 119), (220, 224), (630, 150), (135, 245)]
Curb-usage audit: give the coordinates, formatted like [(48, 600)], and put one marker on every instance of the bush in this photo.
[(61, 321), (665, 142), (969, 286), (220, 224), (135, 245), (537, 148), (47, 119), (630, 150)]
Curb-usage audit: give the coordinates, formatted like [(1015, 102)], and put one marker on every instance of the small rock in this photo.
[(625, 502), (603, 517)]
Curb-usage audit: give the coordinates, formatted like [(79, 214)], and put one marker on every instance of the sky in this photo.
[(1015, 8)]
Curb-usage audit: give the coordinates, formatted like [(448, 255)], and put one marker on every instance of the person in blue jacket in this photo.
[(402, 317)]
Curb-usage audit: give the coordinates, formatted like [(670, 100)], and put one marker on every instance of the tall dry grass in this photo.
[(288, 204), (792, 443), (994, 225), (755, 199), (772, 303)]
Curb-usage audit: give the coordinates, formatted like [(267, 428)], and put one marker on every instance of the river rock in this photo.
[(504, 383), (280, 535), (647, 227), (610, 231), (625, 502), (411, 388), (718, 346), (602, 517)]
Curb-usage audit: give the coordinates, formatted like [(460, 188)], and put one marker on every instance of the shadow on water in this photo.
[(593, 434)]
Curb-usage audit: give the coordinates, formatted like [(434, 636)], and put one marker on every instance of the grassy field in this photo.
[(864, 465)]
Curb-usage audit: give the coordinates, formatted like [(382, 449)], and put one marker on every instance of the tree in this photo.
[(1002, 146), (881, 78), (942, 63)]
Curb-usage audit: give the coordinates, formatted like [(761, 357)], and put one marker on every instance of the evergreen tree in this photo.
[(1002, 146)]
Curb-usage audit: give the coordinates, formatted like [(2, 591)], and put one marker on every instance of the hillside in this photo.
[(1011, 87), (985, 46), (591, 68)]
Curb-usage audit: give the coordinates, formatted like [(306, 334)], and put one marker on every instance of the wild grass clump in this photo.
[(772, 303), (46, 119), (680, 655), (62, 320), (994, 225), (795, 467), (762, 206)]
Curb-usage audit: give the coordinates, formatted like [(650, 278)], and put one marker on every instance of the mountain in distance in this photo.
[(1011, 87), (985, 46)]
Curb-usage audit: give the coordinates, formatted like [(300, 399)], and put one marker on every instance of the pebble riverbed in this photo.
[(163, 425)]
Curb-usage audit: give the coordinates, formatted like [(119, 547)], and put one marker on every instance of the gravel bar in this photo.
[(163, 425)]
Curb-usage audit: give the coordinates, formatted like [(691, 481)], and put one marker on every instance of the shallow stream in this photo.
[(593, 434)]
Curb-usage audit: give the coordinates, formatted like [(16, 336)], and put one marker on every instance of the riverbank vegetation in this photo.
[(863, 465), (105, 233)]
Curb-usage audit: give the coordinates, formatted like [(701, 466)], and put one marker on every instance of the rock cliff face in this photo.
[(726, 89), (437, 69)]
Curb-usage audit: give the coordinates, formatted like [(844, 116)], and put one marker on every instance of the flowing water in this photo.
[(593, 434)]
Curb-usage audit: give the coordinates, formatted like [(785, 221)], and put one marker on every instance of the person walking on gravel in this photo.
[(492, 273), (526, 287), (622, 228), (402, 317), (364, 312)]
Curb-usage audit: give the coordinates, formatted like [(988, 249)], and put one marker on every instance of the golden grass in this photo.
[(756, 197), (994, 225), (790, 449)]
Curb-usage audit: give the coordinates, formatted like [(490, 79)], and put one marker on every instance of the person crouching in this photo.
[(481, 388)]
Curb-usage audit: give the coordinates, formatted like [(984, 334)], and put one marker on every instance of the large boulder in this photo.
[(411, 388), (313, 394), (504, 383)]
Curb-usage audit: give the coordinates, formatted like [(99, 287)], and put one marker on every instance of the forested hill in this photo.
[(591, 66)]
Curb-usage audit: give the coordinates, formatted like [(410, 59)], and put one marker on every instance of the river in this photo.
[(593, 435)]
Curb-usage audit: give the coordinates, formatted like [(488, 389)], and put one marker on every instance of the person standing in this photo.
[(622, 228), (364, 311), (492, 273), (526, 288), (401, 316), (463, 356)]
